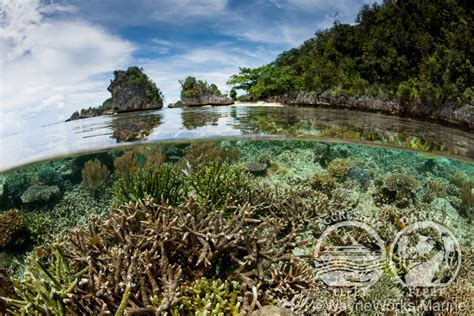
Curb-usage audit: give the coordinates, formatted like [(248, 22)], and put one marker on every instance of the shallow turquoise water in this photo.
[(386, 177), (107, 132)]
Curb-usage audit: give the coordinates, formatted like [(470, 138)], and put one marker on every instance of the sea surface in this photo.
[(250, 122)]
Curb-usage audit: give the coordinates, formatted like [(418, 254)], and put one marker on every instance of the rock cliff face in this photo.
[(457, 117), (206, 100), (129, 96)]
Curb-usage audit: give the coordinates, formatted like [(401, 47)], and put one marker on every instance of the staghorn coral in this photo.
[(301, 210), (94, 175), (289, 278), (12, 229), (399, 189), (40, 194), (164, 182), (214, 297), (140, 257)]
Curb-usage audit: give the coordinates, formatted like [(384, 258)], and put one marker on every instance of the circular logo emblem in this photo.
[(349, 254), (425, 254)]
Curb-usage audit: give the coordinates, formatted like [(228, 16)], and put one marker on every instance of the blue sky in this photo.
[(57, 56)]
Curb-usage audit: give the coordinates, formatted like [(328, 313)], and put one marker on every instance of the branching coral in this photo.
[(217, 182), (289, 278), (94, 175), (164, 182), (144, 254), (48, 286), (214, 297)]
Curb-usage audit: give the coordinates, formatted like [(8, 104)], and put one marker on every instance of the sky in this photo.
[(57, 56)]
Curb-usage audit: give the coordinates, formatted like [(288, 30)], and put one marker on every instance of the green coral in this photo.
[(162, 182), (47, 287), (210, 297), (217, 182), (38, 226)]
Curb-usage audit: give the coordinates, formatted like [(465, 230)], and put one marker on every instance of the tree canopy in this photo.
[(409, 50), (191, 87)]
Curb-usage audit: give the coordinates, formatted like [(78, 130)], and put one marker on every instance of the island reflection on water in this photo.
[(105, 132)]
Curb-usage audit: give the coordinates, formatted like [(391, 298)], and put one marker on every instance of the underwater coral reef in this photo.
[(225, 228)]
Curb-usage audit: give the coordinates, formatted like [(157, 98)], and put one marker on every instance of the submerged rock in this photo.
[(256, 168), (41, 194)]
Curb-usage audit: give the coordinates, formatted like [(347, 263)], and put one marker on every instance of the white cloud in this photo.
[(174, 11), (46, 62)]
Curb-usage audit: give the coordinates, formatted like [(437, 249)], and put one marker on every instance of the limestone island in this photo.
[(131, 90), (199, 92)]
